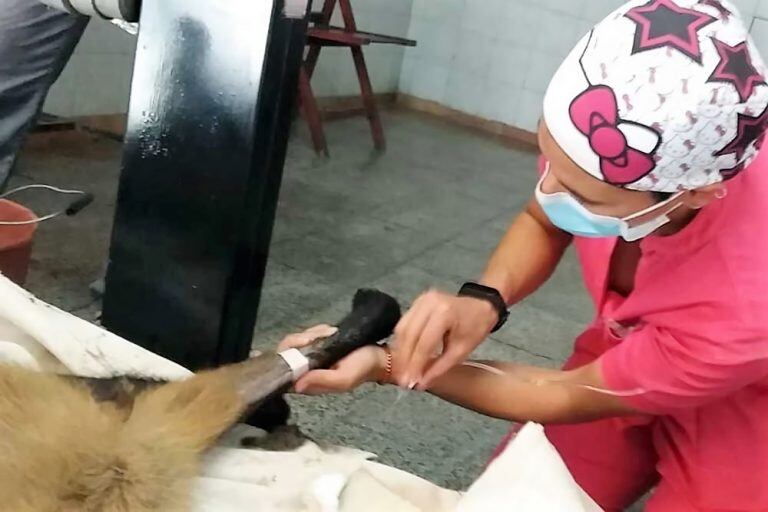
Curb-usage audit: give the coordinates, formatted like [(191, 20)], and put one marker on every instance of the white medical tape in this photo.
[(297, 361)]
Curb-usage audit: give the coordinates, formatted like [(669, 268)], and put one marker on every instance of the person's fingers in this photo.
[(303, 339), (293, 341), (322, 331), (453, 355), (406, 337), (431, 339), (325, 381), (320, 391), (355, 369)]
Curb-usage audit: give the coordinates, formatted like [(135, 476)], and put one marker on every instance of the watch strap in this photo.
[(491, 295)]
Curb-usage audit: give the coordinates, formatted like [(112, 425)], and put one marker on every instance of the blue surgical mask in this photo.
[(570, 215)]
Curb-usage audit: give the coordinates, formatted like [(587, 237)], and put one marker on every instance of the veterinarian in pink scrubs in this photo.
[(650, 140)]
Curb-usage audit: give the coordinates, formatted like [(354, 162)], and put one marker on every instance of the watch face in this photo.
[(484, 291), (492, 295)]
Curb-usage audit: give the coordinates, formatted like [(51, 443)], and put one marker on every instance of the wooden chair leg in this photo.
[(369, 100), (347, 15), (312, 113), (328, 8), (314, 49), (311, 61)]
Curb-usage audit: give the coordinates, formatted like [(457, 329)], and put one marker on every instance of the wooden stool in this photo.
[(323, 34)]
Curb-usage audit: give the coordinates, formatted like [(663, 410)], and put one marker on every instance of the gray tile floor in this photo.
[(427, 213)]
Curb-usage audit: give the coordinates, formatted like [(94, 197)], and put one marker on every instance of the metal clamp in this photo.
[(126, 10)]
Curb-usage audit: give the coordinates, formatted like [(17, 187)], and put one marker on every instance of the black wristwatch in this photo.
[(492, 295)]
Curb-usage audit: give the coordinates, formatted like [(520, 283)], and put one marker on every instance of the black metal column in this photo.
[(213, 87)]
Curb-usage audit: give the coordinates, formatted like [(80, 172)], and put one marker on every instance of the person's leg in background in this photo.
[(36, 43)]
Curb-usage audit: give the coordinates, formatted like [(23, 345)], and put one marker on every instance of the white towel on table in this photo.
[(528, 477)]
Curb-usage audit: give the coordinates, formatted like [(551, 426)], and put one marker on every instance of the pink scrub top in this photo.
[(691, 344)]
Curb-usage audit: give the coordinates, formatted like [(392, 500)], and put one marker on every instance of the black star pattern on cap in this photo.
[(663, 23), (736, 68), (750, 131)]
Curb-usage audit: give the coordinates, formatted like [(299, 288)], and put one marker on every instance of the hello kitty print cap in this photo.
[(662, 95)]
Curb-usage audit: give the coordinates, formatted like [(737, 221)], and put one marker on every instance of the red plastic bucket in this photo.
[(16, 241)]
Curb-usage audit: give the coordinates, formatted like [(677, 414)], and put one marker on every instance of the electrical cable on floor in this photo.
[(73, 209)]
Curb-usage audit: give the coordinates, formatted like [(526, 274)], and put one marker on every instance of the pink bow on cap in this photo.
[(595, 113)]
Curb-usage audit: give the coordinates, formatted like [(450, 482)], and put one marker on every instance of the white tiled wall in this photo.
[(760, 35), (490, 58), (105, 57), (494, 58), (760, 25)]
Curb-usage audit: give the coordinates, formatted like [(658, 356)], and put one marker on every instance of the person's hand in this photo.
[(438, 323), (367, 364)]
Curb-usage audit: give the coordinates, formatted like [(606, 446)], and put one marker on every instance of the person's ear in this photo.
[(701, 197)]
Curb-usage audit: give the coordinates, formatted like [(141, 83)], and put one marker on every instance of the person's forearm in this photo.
[(526, 256), (526, 394)]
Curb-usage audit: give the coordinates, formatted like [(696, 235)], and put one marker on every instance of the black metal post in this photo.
[(213, 88)]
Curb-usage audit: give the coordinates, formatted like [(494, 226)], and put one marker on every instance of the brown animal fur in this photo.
[(61, 451)]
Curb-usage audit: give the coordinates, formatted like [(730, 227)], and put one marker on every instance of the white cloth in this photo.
[(529, 476)]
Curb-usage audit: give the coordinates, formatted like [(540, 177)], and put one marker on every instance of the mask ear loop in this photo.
[(657, 206), (542, 178), (644, 227)]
